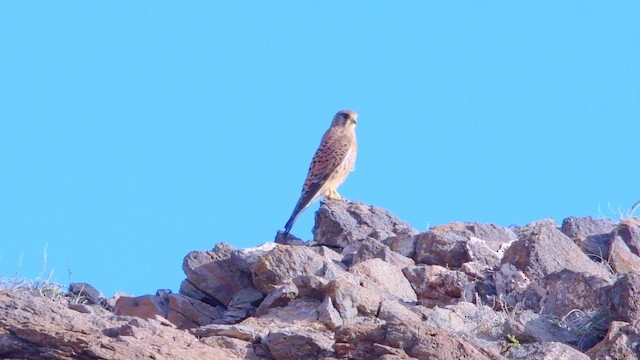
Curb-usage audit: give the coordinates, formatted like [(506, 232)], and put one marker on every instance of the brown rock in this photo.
[(340, 223), (85, 293), (629, 231), (180, 310), (621, 342), (434, 284), (565, 291), (545, 351), (293, 344), (243, 304), (387, 277), (40, 328), (373, 249), (454, 244), (625, 296), (621, 259), (283, 263), (593, 236), (311, 285), (542, 249), (278, 298), (240, 332), (214, 274)]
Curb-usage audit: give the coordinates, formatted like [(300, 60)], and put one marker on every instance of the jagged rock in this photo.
[(352, 299), (328, 314), (565, 291), (311, 285), (283, 263), (621, 342), (629, 231), (244, 258), (85, 293), (243, 304), (542, 249), (387, 277), (404, 245), (180, 310), (373, 249), (434, 284), (625, 296), (454, 244), (240, 332), (214, 274), (593, 236), (621, 259), (545, 351), (293, 344), (340, 223), (394, 312), (280, 297), (40, 328)]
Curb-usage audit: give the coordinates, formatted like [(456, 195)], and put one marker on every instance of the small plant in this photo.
[(513, 341)]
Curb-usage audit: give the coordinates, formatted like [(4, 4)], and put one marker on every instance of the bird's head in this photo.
[(346, 118)]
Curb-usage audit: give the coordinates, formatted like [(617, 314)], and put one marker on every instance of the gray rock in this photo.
[(373, 249), (311, 285), (542, 249), (387, 277), (85, 293), (629, 231), (434, 284), (340, 223), (352, 299), (328, 314), (593, 236), (454, 244), (621, 259), (241, 332), (625, 297), (404, 245), (283, 263), (545, 351)]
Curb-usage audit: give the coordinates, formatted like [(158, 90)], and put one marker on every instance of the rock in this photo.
[(629, 231), (293, 344), (387, 277), (434, 284), (282, 264), (240, 332), (244, 258), (328, 314), (565, 291), (591, 235), (180, 310), (542, 249), (214, 274), (545, 351), (373, 249), (311, 285), (243, 304), (40, 328), (404, 245), (621, 259), (351, 299), (340, 223), (454, 244), (278, 298), (85, 293), (621, 342), (625, 297)]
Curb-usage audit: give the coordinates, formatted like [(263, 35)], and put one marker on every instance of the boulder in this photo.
[(621, 259), (435, 285), (454, 244), (387, 277), (283, 263), (340, 223), (542, 249), (294, 344), (215, 275), (545, 351), (625, 297), (593, 236), (621, 342)]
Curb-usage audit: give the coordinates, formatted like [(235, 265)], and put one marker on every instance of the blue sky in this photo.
[(134, 132)]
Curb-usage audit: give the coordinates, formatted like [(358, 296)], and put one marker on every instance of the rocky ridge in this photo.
[(368, 286)]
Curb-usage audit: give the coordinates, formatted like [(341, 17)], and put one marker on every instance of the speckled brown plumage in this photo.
[(331, 163)]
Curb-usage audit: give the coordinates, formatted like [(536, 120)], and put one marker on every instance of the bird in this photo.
[(330, 165)]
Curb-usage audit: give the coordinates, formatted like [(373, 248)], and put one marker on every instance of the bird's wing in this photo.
[(333, 150)]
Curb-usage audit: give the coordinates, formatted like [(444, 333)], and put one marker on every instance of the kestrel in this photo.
[(331, 163)]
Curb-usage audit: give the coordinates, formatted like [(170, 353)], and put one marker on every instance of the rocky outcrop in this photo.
[(368, 286)]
